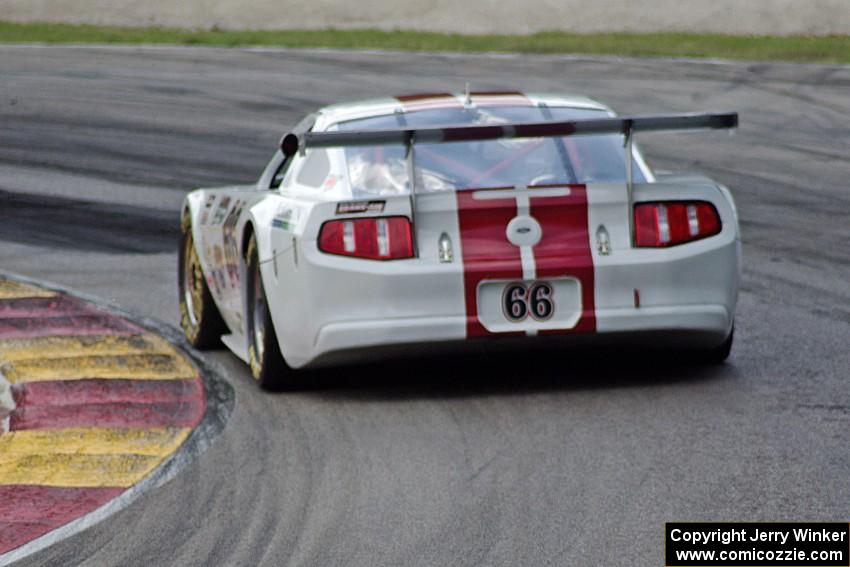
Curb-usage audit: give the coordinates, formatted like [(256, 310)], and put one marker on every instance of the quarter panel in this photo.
[(704, 272), (315, 290)]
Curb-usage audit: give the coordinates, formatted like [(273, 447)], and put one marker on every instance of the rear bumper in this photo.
[(692, 326)]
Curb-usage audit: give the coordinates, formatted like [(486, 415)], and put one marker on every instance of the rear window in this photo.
[(382, 170)]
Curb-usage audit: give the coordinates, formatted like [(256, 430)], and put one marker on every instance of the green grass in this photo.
[(829, 49)]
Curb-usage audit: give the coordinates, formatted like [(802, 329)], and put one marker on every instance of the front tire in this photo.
[(199, 317), (268, 367)]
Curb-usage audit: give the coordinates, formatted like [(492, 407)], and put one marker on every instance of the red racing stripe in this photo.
[(27, 512), (459, 133), (500, 98), (428, 101), (564, 249), (108, 403), (487, 253)]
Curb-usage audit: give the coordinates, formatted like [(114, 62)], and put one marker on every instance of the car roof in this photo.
[(343, 112)]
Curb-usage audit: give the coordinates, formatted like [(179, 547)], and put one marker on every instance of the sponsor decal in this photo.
[(208, 255), (218, 273), (209, 274), (221, 211), (205, 214), (212, 283), (231, 248), (286, 220), (218, 257), (347, 207), (330, 182)]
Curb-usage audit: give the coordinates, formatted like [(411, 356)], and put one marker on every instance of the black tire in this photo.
[(199, 315), (268, 367), (720, 353)]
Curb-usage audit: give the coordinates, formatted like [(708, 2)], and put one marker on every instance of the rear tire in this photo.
[(199, 317), (268, 367)]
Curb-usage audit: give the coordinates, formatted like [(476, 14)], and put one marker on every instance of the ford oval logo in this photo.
[(523, 230)]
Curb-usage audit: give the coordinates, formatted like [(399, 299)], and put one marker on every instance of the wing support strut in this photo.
[(411, 176), (628, 143)]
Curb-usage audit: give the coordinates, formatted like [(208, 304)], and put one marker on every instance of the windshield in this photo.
[(381, 170)]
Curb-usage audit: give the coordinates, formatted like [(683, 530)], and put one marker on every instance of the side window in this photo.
[(278, 176), (315, 170)]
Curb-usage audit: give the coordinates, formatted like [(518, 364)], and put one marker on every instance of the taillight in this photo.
[(674, 222), (384, 238)]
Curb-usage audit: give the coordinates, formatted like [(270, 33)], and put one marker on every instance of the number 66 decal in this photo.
[(519, 301)]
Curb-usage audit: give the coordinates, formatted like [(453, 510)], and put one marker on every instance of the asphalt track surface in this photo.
[(561, 459)]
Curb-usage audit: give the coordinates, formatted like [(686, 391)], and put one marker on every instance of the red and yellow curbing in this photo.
[(100, 403)]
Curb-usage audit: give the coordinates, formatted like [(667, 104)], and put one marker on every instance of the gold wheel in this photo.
[(193, 278), (199, 316)]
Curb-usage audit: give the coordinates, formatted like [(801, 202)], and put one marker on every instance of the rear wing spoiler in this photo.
[(293, 143)]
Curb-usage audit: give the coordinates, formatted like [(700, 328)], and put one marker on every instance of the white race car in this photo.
[(432, 221)]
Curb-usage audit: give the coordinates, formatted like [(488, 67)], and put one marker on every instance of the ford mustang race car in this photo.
[(442, 220)]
